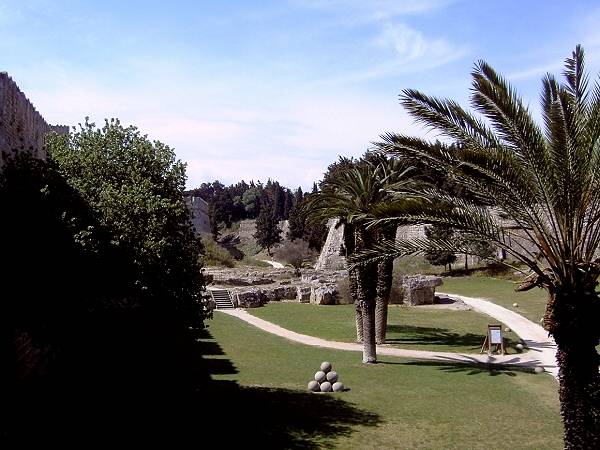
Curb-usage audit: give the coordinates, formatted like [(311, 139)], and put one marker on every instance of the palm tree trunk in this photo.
[(352, 281), (369, 347), (382, 299), (366, 304), (572, 320), (349, 245), (366, 287), (579, 393)]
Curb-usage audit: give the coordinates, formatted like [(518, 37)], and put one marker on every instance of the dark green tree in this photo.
[(546, 181), (268, 233)]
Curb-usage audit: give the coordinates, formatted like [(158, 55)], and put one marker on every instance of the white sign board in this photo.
[(495, 336)]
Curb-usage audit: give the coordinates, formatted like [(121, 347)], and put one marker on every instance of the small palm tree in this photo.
[(546, 181)]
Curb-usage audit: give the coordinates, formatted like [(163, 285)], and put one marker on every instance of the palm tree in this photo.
[(351, 195), (546, 180), (346, 195)]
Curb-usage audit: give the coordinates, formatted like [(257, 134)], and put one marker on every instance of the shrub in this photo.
[(214, 254), (296, 253)]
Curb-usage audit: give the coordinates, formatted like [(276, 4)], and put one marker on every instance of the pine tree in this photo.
[(268, 232)]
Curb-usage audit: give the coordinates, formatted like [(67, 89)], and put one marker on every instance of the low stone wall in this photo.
[(319, 294)]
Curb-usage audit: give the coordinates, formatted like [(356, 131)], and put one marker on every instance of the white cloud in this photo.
[(411, 45)]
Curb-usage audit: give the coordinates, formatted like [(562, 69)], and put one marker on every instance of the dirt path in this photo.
[(542, 351), (275, 264)]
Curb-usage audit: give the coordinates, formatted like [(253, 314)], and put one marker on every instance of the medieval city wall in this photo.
[(22, 127)]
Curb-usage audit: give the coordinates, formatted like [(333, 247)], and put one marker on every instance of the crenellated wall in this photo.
[(22, 127)]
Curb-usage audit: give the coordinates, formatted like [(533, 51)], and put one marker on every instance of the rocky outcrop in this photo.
[(331, 256), (420, 289), (324, 294)]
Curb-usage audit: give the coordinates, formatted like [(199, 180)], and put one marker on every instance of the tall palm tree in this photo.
[(546, 180), (351, 196), (347, 196)]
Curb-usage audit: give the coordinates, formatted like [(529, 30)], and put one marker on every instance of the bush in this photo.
[(214, 254), (296, 253)]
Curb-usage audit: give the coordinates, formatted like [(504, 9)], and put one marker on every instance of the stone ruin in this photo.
[(254, 288), (251, 289), (420, 289)]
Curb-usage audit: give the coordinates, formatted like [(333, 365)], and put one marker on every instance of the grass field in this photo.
[(532, 304), (397, 404), (415, 328)]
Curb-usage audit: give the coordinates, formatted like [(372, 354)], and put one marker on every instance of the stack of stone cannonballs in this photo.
[(326, 380)]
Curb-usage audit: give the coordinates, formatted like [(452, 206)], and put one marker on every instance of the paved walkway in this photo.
[(542, 350)]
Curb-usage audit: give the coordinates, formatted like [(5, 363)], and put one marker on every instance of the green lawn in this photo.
[(397, 404), (532, 304), (415, 328)]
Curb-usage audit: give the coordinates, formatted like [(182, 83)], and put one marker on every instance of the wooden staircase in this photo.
[(222, 298)]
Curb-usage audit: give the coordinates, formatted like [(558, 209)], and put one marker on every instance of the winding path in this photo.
[(275, 264), (542, 349)]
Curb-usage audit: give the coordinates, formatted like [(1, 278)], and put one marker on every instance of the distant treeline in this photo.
[(230, 204)]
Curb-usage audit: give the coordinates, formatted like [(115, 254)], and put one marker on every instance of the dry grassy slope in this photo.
[(246, 230)]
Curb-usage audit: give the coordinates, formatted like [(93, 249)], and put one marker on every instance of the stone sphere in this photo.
[(325, 386), (507, 330), (314, 386), (538, 370), (519, 347), (516, 305), (320, 376), (338, 386), (332, 376), (325, 366)]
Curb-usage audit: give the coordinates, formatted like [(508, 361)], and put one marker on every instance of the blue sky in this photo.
[(276, 89)]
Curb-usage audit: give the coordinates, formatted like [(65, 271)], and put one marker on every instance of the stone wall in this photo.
[(199, 213), (22, 127)]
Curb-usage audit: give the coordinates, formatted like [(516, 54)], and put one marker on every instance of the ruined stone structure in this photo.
[(256, 288), (420, 289), (199, 214), (331, 256), (22, 127)]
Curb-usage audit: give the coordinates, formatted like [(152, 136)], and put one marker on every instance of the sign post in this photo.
[(494, 341)]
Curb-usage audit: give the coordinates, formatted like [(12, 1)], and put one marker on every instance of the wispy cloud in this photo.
[(375, 10)]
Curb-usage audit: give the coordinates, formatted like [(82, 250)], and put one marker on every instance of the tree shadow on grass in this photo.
[(469, 367), (413, 335), (148, 384)]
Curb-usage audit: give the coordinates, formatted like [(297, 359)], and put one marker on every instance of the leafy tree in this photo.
[(267, 232), (471, 245), (435, 255), (547, 182), (136, 189), (251, 201)]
